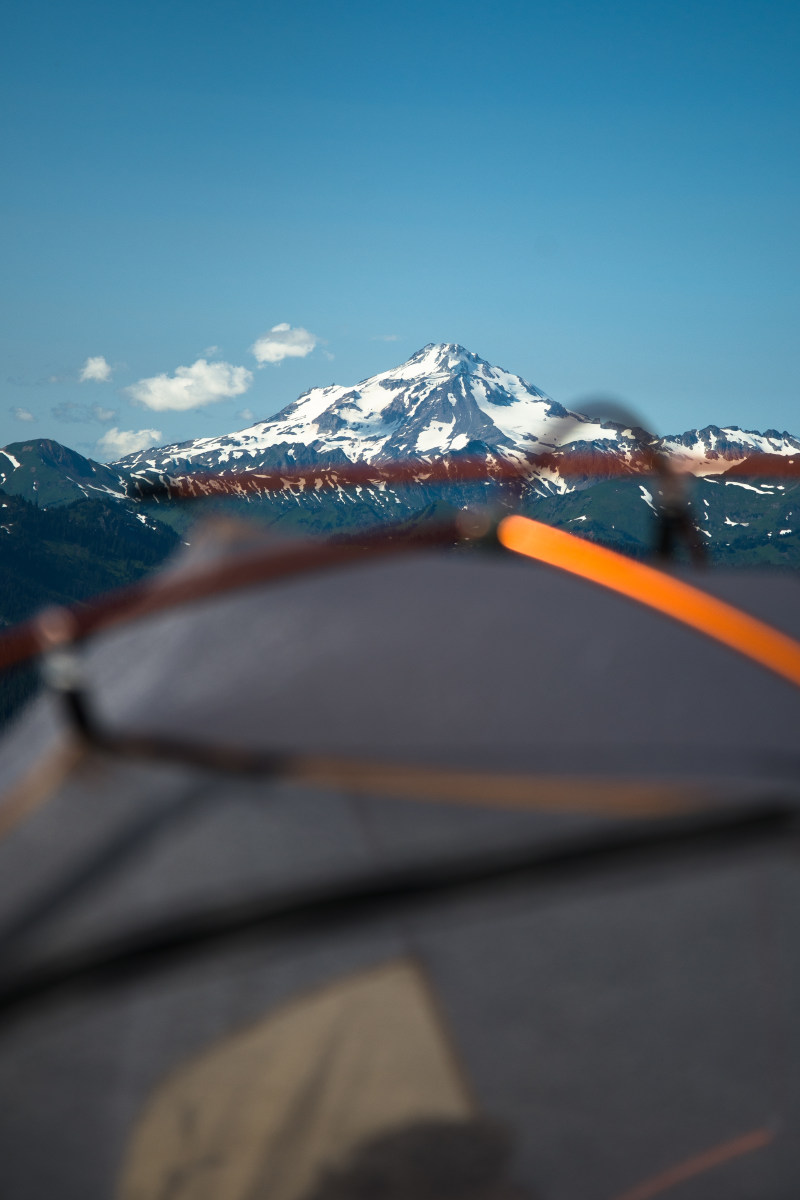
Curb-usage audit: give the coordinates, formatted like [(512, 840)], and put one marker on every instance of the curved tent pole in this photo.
[(55, 629), (29, 639), (722, 622), (645, 462)]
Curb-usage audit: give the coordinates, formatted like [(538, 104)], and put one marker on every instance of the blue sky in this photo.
[(601, 197)]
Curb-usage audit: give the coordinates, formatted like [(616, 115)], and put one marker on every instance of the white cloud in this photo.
[(246, 414), (116, 443), (191, 387), (95, 370), (22, 414), (283, 342)]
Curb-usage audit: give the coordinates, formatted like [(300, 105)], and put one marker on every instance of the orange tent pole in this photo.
[(753, 638)]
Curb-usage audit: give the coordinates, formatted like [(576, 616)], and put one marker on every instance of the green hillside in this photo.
[(47, 474), (67, 554), (744, 522)]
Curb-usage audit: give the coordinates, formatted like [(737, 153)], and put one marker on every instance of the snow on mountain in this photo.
[(712, 450), (444, 399)]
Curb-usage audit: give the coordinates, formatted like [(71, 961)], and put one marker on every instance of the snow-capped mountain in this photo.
[(712, 450), (444, 400)]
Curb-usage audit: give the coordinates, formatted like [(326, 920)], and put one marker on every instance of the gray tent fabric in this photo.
[(619, 1029)]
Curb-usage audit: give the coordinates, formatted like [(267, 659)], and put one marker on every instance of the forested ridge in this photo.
[(64, 555)]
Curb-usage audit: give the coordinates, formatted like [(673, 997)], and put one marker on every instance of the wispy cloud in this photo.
[(191, 387), (386, 337), (22, 414), (18, 381), (79, 414), (116, 443), (95, 370), (281, 342)]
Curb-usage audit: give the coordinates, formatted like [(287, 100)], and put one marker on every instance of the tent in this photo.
[(436, 872)]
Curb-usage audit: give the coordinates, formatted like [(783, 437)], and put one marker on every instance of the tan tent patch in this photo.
[(263, 1112)]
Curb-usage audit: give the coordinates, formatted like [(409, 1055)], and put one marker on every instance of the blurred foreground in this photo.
[(393, 871)]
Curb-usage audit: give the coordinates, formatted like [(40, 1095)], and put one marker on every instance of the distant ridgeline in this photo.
[(70, 527)]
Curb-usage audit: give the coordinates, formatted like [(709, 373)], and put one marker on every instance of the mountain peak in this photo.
[(443, 400), (443, 356)]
